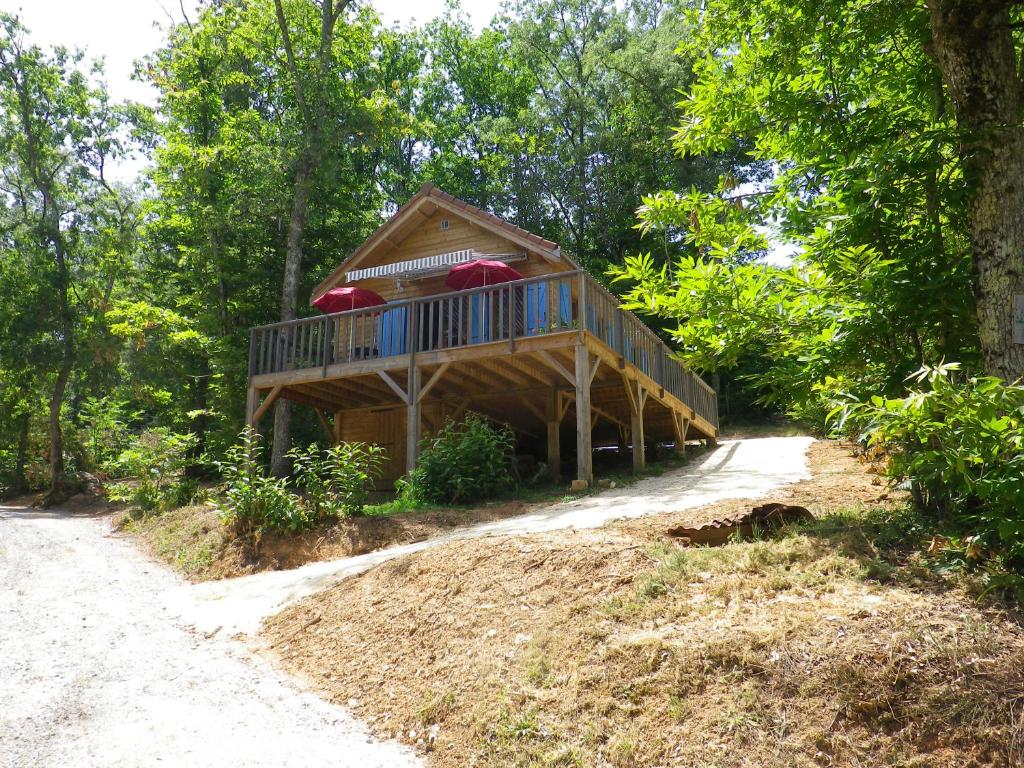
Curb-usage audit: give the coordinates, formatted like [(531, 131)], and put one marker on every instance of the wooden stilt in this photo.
[(584, 446), (337, 427), (251, 403), (412, 432), (554, 423)]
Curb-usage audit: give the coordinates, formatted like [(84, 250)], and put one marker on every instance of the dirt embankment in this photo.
[(826, 646), (195, 543)]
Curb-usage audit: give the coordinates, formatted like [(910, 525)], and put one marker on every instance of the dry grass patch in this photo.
[(831, 645)]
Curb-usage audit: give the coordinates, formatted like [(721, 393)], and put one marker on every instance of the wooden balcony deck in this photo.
[(523, 352)]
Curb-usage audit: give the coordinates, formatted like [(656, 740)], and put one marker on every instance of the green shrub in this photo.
[(253, 502), (961, 447), (464, 462), (337, 481), (102, 433), (154, 463)]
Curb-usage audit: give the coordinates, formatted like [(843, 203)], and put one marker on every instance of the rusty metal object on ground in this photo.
[(767, 517)]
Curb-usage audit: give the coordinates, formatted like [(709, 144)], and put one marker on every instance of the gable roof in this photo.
[(432, 198)]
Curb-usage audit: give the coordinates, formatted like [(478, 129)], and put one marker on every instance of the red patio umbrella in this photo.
[(350, 297), (480, 272)]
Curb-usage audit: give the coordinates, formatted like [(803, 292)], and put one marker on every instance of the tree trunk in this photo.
[(20, 481), (974, 47), (302, 185)]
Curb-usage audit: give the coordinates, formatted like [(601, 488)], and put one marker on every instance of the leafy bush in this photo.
[(337, 480), (255, 503), (155, 460), (961, 447), (103, 434), (463, 462)]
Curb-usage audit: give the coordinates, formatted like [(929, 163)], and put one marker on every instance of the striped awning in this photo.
[(437, 263)]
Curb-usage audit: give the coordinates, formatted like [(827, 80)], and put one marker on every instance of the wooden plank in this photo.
[(324, 423), (533, 408), (432, 381), (405, 398), (267, 402), (548, 358), (584, 445), (554, 442), (412, 433), (251, 401)]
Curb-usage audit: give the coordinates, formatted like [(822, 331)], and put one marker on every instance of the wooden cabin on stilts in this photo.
[(551, 353)]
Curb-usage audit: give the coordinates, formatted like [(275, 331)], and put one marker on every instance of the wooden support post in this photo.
[(337, 427), (412, 431), (251, 402), (636, 429), (584, 446), (554, 423), (268, 401)]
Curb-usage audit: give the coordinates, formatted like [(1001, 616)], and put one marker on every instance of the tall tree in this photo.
[(977, 45), (58, 133), (311, 78)]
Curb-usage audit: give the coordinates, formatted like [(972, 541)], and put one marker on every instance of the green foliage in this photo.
[(853, 166), (465, 461), (961, 445), (336, 481), (103, 433), (156, 461), (255, 503)]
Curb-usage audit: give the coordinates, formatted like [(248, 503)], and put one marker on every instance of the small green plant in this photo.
[(337, 481), (154, 462), (960, 447), (253, 502), (465, 461)]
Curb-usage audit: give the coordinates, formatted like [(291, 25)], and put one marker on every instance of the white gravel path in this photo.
[(107, 659), (737, 469), (98, 667)]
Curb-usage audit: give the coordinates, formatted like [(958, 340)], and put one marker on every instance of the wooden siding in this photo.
[(428, 239)]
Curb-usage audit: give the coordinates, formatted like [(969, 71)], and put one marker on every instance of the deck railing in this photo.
[(535, 306)]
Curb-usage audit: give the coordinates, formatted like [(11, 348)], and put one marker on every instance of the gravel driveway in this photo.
[(107, 659), (98, 667)]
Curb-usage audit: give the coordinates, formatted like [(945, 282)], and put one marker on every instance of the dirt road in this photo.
[(98, 667), (108, 659)]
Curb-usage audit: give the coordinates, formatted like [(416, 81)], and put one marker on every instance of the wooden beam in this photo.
[(565, 398), (636, 431), (636, 427), (412, 430), (594, 367), (337, 427), (394, 386), (554, 427), (267, 402), (532, 408), (251, 401), (324, 423), (630, 394), (548, 358), (584, 446), (610, 417), (432, 381)]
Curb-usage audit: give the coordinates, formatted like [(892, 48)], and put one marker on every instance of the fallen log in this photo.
[(767, 517)]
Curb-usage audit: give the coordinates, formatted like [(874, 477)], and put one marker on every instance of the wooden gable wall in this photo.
[(429, 239)]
